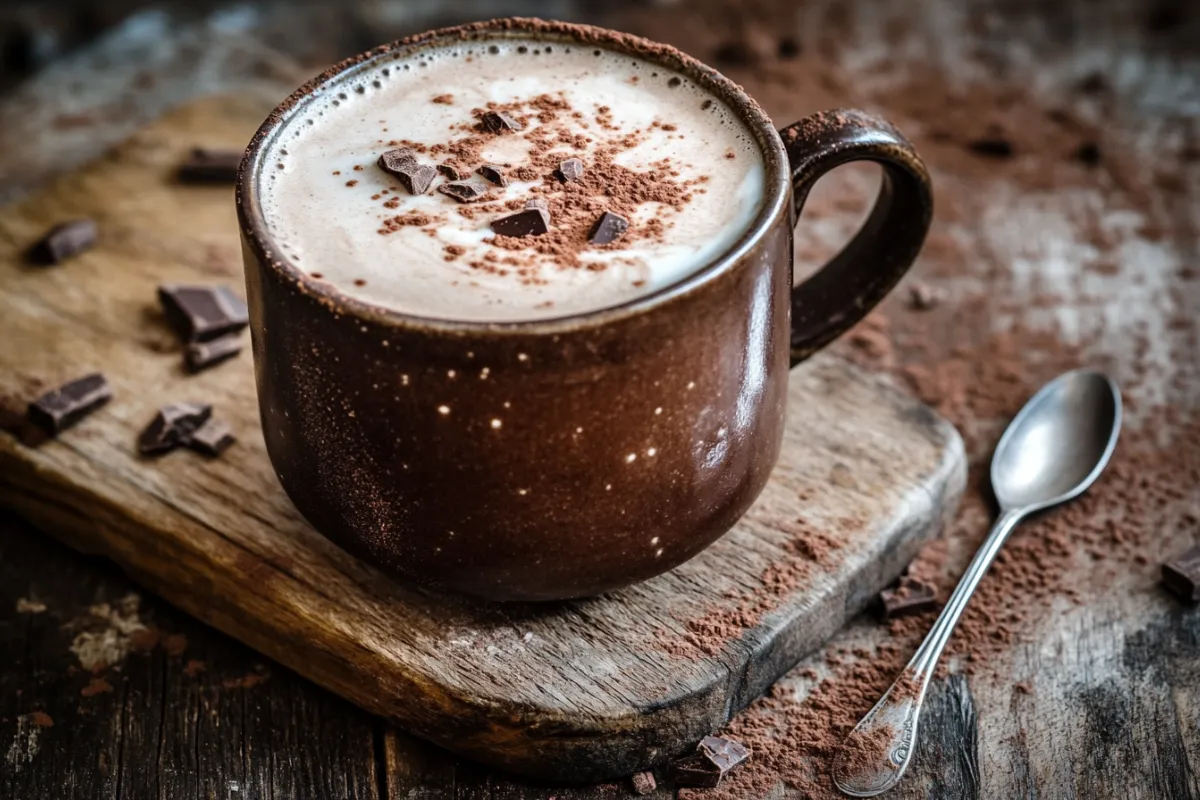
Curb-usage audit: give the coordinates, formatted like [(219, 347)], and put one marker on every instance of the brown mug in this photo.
[(631, 437)]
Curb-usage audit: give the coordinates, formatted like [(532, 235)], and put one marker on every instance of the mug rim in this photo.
[(777, 185)]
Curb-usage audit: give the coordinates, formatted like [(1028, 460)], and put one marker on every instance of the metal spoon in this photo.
[(1051, 453)]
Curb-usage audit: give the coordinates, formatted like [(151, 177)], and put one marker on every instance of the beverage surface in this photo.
[(518, 181)]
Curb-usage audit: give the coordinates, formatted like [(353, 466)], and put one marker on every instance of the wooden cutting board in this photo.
[(578, 691)]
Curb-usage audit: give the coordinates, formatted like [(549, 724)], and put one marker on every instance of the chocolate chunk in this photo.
[(725, 754), (462, 191), (64, 241), (21, 428), (643, 783), (210, 166), (608, 228), (910, 596), (493, 174), (213, 438), (695, 772), (570, 170), (992, 147), (172, 426), (530, 222), (57, 410), (393, 161), (498, 122), (202, 355), (452, 172), (402, 163), (1182, 574), (203, 313)]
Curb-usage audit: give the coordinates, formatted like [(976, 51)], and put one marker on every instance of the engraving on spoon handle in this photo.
[(927, 655)]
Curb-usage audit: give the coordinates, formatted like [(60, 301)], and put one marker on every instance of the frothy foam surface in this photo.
[(656, 148)]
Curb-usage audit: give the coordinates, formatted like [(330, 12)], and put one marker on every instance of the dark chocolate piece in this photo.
[(64, 241), (530, 222), (402, 163), (203, 313), (21, 428), (725, 754), (462, 191), (395, 160), (204, 165), (992, 147), (498, 122), (493, 174), (452, 172), (202, 355), (212, 438), (1088, 153), (695, 772), (608, 228), (910, 596), (1182, 574), (172, 426), (643, 783), (570, 170), (57, 410)]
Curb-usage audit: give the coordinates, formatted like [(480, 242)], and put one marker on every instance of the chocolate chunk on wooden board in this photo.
[(172, 426), (203, 313), (59, 409), (200, 356), (64, 241), (212, 438), (909, 596), (1182, 574), (210, 166)]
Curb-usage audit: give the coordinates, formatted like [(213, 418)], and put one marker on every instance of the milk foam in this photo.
[(330, 229)]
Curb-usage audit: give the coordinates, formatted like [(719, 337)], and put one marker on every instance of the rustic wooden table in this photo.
[(1113, 709)]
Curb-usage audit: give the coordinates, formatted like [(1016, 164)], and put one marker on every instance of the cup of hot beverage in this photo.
[(521, 300)]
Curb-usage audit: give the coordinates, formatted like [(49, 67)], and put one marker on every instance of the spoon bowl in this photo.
[(1058, 444)]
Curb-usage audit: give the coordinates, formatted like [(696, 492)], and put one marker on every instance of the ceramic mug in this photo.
[(629, 439)]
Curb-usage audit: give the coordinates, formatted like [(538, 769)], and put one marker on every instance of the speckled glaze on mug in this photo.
[(562, 458)]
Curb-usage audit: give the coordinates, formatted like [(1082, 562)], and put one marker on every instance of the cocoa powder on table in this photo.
[(1042, 201)]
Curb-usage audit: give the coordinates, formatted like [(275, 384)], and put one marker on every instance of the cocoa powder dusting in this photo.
[(1002, 302)]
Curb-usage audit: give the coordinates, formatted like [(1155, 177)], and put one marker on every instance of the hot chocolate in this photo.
[(509, 180)]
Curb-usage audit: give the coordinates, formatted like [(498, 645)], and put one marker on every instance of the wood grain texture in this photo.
[(578, 691)]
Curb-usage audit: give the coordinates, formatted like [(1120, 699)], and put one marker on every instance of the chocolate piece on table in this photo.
[(21, 428), (212, 438), (493, 174), (205, 165), (725, 754), (452, 172), (402, 163), (202, 313), (608, 228), (202, 355), (498, 122), (530, 222), (643, 783), (571, 169), (910, 596), (695, 772), (172, 426), (1182, 574), (57, 410), (64, 241), (462, 191)]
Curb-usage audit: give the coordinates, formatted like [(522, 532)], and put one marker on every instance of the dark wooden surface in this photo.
[(1118, 681), (244, 727)]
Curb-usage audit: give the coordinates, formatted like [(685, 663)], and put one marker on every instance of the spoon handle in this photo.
[(926, 657)]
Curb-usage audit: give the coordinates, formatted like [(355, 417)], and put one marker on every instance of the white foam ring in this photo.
[(330, 229)]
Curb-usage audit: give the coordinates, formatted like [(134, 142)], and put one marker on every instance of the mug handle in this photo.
[(831, 301)]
